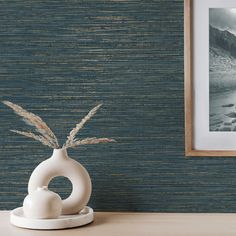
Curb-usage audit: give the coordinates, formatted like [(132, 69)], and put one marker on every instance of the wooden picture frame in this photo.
[(188, 88)]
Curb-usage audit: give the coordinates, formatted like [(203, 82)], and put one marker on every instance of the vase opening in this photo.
[(60, 153)]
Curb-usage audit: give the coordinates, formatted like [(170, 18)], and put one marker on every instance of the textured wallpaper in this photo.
[(59, 58)]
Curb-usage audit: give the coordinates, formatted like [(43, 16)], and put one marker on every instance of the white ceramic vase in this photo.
[(42, 204), (60, 164)]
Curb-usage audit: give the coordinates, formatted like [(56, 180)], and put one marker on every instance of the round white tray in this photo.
[(17, 218)]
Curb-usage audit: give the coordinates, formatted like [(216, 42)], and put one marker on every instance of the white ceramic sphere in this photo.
[(42, 204)]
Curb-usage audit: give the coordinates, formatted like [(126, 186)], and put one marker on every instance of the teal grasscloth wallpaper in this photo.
[(59, 58)]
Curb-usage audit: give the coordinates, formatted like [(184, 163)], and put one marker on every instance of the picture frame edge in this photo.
[(188, 77), (188, 91)]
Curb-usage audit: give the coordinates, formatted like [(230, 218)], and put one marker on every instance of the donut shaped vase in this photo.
[(60, 164)]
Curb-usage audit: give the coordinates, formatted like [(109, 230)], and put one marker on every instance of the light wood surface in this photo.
[(188, 89), (135, 224)]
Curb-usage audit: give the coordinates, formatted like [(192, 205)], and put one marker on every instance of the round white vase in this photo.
[(60, 164), (42, 204)]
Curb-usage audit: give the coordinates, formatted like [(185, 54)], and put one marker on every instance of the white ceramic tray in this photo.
[(17, 218)]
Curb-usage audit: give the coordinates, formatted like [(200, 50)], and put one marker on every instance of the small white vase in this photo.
[(42, 204), (60, 164)]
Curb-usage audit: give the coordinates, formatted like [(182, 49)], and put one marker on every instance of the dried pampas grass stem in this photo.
[(90, 141), (39, 138), (79, 126), (36, 121), (47, 137)]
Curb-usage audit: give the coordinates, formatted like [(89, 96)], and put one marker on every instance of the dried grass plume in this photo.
[(39, 138), (34, 120), (47, 137), (71, 138), (91, 141)]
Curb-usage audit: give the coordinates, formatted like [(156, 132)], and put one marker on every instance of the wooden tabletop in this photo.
[(137, 224)]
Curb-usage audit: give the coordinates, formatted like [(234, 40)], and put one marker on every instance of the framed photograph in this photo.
[(210, 77)]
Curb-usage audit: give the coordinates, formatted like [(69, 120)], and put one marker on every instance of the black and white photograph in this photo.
[(222, 69), (210, 77)]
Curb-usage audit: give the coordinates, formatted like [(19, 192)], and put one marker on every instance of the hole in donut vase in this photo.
[(60, 164), (61, 185)]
